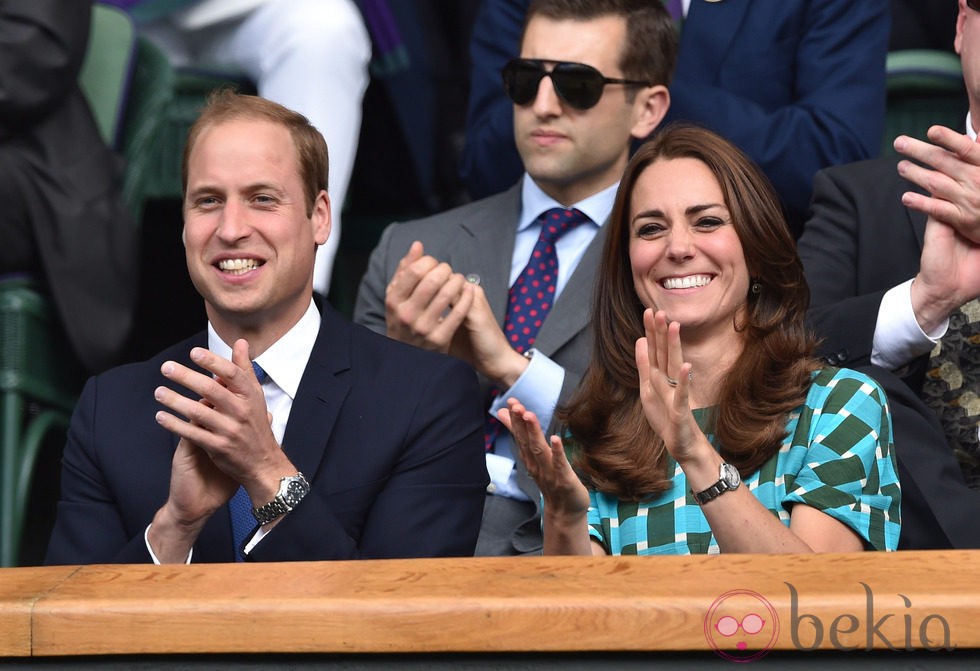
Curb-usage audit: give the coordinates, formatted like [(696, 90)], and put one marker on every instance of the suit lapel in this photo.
[(489, 250), (320, 396)]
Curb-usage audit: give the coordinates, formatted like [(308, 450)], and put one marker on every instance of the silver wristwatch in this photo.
[(292, 489), (728, 479)]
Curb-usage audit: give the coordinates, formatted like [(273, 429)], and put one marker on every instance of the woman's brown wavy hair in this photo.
[(615, 450)]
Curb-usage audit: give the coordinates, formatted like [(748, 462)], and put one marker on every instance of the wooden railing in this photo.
[(907, 600)]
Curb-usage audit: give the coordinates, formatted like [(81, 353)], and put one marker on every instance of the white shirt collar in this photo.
[(969, 128), (534, 201), (286, 359)]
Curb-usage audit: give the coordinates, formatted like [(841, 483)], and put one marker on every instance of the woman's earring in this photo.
[(756, 287)]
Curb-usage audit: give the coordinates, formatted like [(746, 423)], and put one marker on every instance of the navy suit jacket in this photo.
[(390, 438), (797, 85), (859, 242)]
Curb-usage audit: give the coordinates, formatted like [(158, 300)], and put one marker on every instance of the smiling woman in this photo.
[(702, 380)]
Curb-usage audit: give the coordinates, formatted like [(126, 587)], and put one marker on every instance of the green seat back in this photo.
[(106, 70)]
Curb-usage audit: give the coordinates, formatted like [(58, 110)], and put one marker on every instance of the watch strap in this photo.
[(292, 489), (728, 480)]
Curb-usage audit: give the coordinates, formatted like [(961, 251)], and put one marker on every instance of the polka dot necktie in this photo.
[(240, 506), (533, 292)]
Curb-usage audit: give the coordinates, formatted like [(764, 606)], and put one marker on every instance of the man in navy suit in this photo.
[(335, 442)]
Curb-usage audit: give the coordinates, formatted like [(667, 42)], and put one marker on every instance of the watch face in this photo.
[(730, 475), (295, 491)]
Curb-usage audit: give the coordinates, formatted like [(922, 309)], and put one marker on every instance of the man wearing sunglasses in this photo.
[(590, 79), (892, 258), (798, 85)]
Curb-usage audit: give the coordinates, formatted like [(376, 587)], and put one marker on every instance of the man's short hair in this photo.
[(649, 52), (225, 104)]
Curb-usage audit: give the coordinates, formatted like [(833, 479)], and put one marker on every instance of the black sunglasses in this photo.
[(577, 84)]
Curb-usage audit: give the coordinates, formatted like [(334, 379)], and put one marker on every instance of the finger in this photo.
[(960, 144), (660, 332), (938, 184), (526, 431), (946, 148), (415, 252), (192, 431), (453, 318), (204, 386), (227, 371), (558, 457), (429, 298), (675, 353), (433, 317), (936, 208), (649, 340), (643, 366), (410, 270), (518, 423), (683, 389)]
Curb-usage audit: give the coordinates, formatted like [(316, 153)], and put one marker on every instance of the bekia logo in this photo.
[(743, 626)]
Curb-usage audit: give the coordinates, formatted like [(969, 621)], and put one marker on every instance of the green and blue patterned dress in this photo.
[(838, 458)]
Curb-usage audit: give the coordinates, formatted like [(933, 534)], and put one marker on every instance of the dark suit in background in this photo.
[(923, 24), (797, 85), (859, 242), (383, 431), (63, 216)]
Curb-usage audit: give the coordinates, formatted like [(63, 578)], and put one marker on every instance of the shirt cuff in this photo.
[(898, 338), (146, 539), (254, 540), (538, 388)]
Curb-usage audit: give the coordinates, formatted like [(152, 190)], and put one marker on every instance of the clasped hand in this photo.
[(430, 306), (226, 439)]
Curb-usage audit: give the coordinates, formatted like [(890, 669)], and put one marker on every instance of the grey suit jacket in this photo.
[(479, 238)]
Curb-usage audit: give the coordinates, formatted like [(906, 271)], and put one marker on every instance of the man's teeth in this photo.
[(238, 266), (686, 282)]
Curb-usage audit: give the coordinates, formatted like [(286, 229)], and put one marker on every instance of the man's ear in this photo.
[(320, 218), (652, 103)]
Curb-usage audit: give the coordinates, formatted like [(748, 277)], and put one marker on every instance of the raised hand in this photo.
[(665, 382), (425, 301), (546, 462), (953, 181)]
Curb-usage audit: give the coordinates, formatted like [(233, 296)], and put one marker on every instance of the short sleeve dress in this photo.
[(838, 457)]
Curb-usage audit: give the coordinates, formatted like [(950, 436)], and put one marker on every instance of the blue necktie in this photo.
[(533, 293), (240, 506)]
